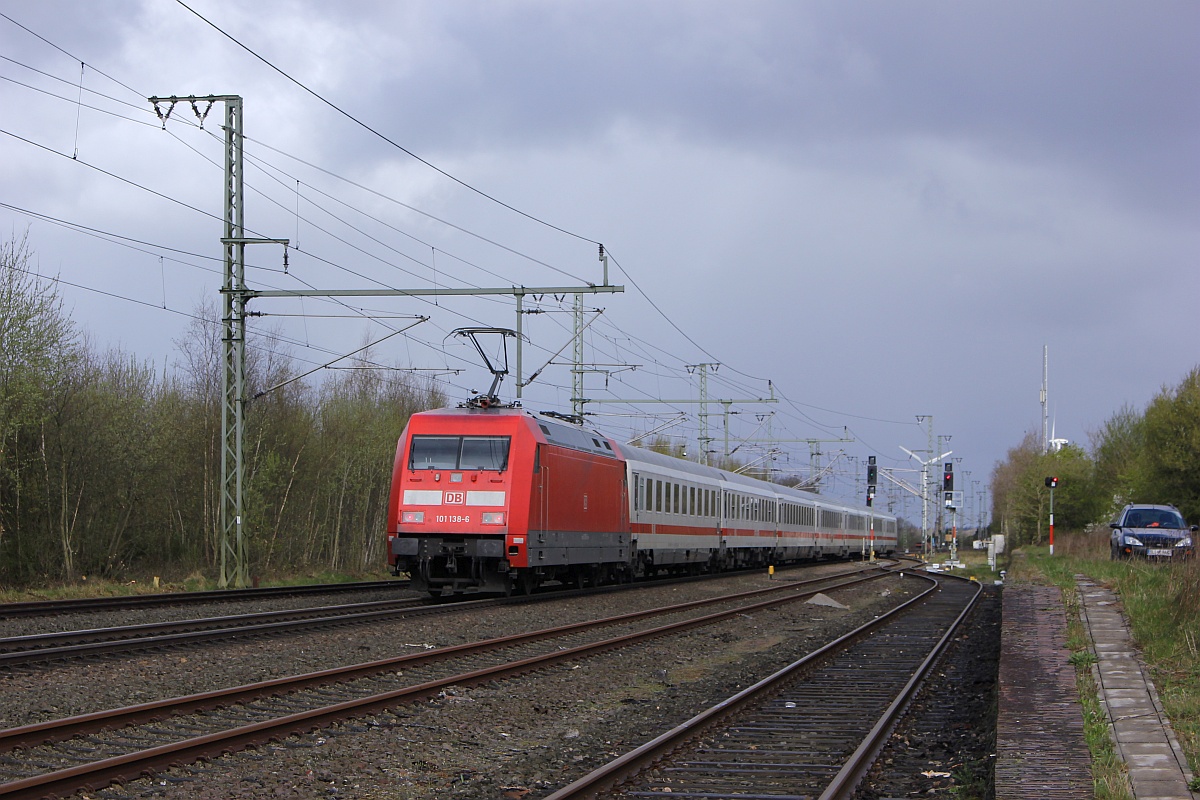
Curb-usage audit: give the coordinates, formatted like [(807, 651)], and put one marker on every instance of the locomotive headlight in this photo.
[(493, 518), (412, 516)]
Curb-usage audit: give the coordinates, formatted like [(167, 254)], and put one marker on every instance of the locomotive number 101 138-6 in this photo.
[(463, 518)]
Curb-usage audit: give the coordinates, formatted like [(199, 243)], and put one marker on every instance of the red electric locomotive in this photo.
[(491, 499), (488, 497), (497, 499)]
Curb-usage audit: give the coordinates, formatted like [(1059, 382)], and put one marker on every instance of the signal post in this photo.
[(952, 501), (1052, 482), (872, 482)]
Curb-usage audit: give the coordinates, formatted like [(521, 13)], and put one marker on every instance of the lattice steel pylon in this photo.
[(233, 560), (233, 376)]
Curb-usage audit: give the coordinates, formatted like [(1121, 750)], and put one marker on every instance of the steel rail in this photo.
[(56, 730), (856, 767), (130, 765), (36, 648), (30, 608), (92, 648), (638, 760), (147, 630)]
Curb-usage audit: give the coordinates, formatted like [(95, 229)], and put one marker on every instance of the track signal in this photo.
[(872, 479), (1052, 482), (948, 477)]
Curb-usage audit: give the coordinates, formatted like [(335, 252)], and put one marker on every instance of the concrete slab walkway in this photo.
[(1145, 741)]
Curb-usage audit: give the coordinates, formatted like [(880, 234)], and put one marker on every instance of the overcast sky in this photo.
[(885, 209)]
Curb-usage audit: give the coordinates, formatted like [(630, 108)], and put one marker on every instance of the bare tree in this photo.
[(37, 346)]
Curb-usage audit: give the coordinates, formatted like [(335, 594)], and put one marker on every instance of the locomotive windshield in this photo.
[(459, 452)]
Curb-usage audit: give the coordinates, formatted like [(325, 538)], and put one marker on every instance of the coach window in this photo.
[(658, 495)]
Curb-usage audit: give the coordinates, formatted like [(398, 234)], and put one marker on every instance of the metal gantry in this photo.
[(703, 402), (233, 561), (925, 492)]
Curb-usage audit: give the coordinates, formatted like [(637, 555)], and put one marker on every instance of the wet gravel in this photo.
[(511, 739)]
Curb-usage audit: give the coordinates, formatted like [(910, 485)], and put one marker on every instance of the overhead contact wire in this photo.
[(381, 135)]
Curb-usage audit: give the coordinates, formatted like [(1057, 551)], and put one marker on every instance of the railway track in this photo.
[(62, 645), (37, 608), (801, 733), (60, 757), (19, 650)]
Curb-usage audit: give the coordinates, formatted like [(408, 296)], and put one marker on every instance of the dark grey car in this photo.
[(1154, 532)]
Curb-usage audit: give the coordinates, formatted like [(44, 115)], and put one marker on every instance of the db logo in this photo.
[(454, 498)]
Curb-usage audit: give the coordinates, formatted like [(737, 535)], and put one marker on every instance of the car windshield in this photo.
[(1153, 518)]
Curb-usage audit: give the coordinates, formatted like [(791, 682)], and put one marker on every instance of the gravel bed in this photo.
[(26, 626), (512, 739), (51, 691)]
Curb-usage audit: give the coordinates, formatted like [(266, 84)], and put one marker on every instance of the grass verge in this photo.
[(1162, 603)]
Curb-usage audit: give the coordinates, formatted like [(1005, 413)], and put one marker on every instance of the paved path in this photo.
[(1145, 741), (1041, 753)]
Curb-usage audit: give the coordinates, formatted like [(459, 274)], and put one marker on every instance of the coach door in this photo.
[(639, 491), (625, 502), (541, 485)]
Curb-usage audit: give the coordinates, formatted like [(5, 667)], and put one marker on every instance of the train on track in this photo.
[(488, 497)]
